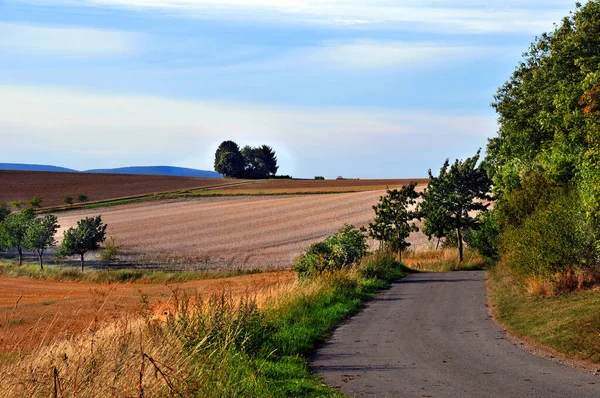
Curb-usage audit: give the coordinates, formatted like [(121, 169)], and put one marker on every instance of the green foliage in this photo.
[(557, 236), (260, 162), (82, 198), (88, 235), (40, 235), (486, 238), (36, 201), (319, 178), (68, 200), (112, 250), (380, 265), (452, 197), (4, 211), (392, 224), (229, 160), (338, 251), (14, 229)]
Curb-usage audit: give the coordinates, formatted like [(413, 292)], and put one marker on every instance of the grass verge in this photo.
[(567, 323), (64, 273), (223, 347)]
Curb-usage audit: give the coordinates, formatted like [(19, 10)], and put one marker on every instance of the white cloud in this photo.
[(65, 41), (105, 126), (448, 17)]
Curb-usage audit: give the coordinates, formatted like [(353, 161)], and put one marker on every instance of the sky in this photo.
[(353, 88)]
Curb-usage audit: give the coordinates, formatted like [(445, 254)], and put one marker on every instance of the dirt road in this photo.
[(431, 336)]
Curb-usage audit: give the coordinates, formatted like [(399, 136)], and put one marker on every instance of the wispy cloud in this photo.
[(105, 127), (65, 41), (448, 17)]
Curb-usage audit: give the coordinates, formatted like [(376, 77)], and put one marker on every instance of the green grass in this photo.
[(69, 273), (569, 323), (265, 353)]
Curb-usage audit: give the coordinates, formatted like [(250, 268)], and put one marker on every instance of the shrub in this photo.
[(319, 178), (486, 237), (379, 265), (36, 201), (339, 250), (82, 198), (556, 237), (112, 250), (68, 200)]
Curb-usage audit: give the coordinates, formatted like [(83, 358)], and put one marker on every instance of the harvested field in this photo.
[(38, 312), (230, 232), (315, 186), (52, 187)]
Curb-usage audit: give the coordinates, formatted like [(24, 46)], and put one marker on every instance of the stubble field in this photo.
[(258, 232)]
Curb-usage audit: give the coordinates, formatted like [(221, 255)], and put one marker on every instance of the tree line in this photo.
[(25, 231), (248, 162)]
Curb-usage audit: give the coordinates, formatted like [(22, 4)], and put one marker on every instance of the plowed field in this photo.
[(230, 232), (52, 187)]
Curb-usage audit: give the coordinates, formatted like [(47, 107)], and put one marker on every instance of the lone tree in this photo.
[(229, 160), (40, 235), (88, 235), (13, 230), (451, 198), (393, 216)]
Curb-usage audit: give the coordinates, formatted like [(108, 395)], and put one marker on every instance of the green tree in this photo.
[(13, 230), (261, 162), (229, 160), (457, 189), (436, 220), (393, 218), (88, 235), (40, 235), (4, 211), (36, 201)]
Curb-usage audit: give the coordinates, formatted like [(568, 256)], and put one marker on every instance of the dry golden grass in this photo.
[(442, 260), (229, 232)]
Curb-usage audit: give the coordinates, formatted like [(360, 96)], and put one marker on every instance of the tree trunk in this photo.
[(460, 245), (400, 254), (41, 255), (437, 246), (82, 263), (20, 250)]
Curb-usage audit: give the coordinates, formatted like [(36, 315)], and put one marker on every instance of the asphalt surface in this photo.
[(431, 335)]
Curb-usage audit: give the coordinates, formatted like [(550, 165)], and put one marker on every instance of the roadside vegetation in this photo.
[(544, 230), (221, 347)]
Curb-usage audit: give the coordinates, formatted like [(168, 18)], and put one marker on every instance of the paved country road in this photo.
[(431, 335)]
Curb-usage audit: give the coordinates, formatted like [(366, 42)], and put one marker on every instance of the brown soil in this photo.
[(229, 232), (317, 186), (52, 187), (37, 312)]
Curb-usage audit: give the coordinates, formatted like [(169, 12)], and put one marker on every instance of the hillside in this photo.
[(53, 186), (136, 170)]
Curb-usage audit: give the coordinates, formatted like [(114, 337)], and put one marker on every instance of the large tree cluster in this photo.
[(248, 162), (545, 161)]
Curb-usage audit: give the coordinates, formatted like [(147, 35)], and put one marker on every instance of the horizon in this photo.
[(358, 89)]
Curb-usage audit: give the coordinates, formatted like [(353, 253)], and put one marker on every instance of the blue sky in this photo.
[(359, 88)]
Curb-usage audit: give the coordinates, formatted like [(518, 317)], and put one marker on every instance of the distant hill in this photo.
[(34, 167), (160, 171), (143, 170)]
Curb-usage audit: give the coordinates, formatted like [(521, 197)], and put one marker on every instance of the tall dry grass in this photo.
[(442, 260)]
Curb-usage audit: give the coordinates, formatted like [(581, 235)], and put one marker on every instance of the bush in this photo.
[(319, 178), (82, 198), (68, 200), (36, 201), (112, 251), (379, 265), (556, 237), (486, 237), (339, 250)]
